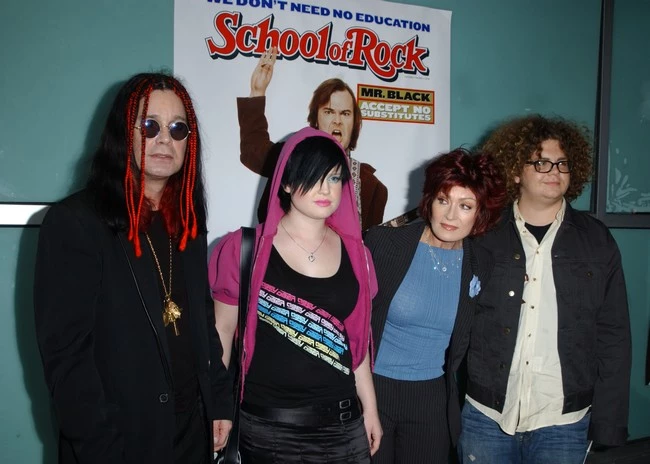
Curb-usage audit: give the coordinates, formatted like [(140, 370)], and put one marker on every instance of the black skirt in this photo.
[(263, 441)]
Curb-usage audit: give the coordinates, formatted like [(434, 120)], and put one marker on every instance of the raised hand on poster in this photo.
[(263, 72)]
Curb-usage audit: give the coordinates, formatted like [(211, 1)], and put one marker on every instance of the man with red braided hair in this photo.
[(124, 319)]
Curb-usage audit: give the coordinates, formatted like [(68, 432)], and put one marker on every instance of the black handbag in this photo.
[(230, 454)]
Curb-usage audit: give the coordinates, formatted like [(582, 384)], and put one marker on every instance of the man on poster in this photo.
[(333, 109)]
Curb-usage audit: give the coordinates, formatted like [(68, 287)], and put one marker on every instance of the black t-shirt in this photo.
[(183, 360), (538, 231), (302, 354)]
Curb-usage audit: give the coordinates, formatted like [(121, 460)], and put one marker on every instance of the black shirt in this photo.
[(302, 354), (183, 361)]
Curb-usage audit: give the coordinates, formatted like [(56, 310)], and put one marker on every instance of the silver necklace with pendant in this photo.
[(310, 254), (440, 266)]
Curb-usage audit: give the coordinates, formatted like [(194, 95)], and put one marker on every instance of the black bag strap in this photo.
[(231, 452)]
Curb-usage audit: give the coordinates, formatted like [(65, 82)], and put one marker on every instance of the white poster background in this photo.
[(397, 150)]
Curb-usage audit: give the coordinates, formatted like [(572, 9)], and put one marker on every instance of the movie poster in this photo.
[(395, 57)]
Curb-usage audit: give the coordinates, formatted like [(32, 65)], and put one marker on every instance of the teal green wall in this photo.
[(61, 62)]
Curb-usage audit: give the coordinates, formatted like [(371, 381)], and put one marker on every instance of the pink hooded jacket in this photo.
[(223, 268)]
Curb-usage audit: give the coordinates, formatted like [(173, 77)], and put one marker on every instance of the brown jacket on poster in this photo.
[(260, 154)]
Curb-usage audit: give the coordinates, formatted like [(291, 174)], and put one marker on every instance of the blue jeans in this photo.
[(483, 442)]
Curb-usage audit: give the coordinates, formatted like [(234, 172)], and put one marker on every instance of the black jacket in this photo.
[(593, 322), (392, 250), (104, 349)]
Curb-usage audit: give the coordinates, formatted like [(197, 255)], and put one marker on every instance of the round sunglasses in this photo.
[(177, 130)]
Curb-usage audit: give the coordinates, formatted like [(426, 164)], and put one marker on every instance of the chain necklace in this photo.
[(310, 254), (172, 311), (440, 266)]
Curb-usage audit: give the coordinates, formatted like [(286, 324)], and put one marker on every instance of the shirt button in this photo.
[(506, 330), (163, 398), (511, 293), (532, 307), (502, 366), (517, 256)]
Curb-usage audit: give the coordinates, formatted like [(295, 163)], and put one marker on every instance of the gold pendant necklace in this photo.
[(172, 311)]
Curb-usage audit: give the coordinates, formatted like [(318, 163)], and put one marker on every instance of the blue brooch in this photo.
[(474, 286)]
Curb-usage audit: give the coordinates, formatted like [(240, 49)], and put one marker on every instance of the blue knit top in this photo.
[(421, 316)]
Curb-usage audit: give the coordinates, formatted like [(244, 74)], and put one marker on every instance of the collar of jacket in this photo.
[(570, 217)]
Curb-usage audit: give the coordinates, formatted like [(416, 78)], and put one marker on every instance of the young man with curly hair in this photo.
[(549, 357)]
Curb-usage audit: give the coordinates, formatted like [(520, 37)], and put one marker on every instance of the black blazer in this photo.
[(392, 250), (103, 342)]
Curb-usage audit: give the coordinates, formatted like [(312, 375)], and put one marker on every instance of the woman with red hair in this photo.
[(429, 277)]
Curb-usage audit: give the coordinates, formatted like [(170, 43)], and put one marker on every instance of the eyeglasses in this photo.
[(177, 130), (544, 166)]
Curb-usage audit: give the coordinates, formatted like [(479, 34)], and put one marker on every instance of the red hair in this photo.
[(476, 172), (177, 203)]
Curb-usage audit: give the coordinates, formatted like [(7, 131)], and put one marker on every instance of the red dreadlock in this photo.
[(179, 188), (188, 215)]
